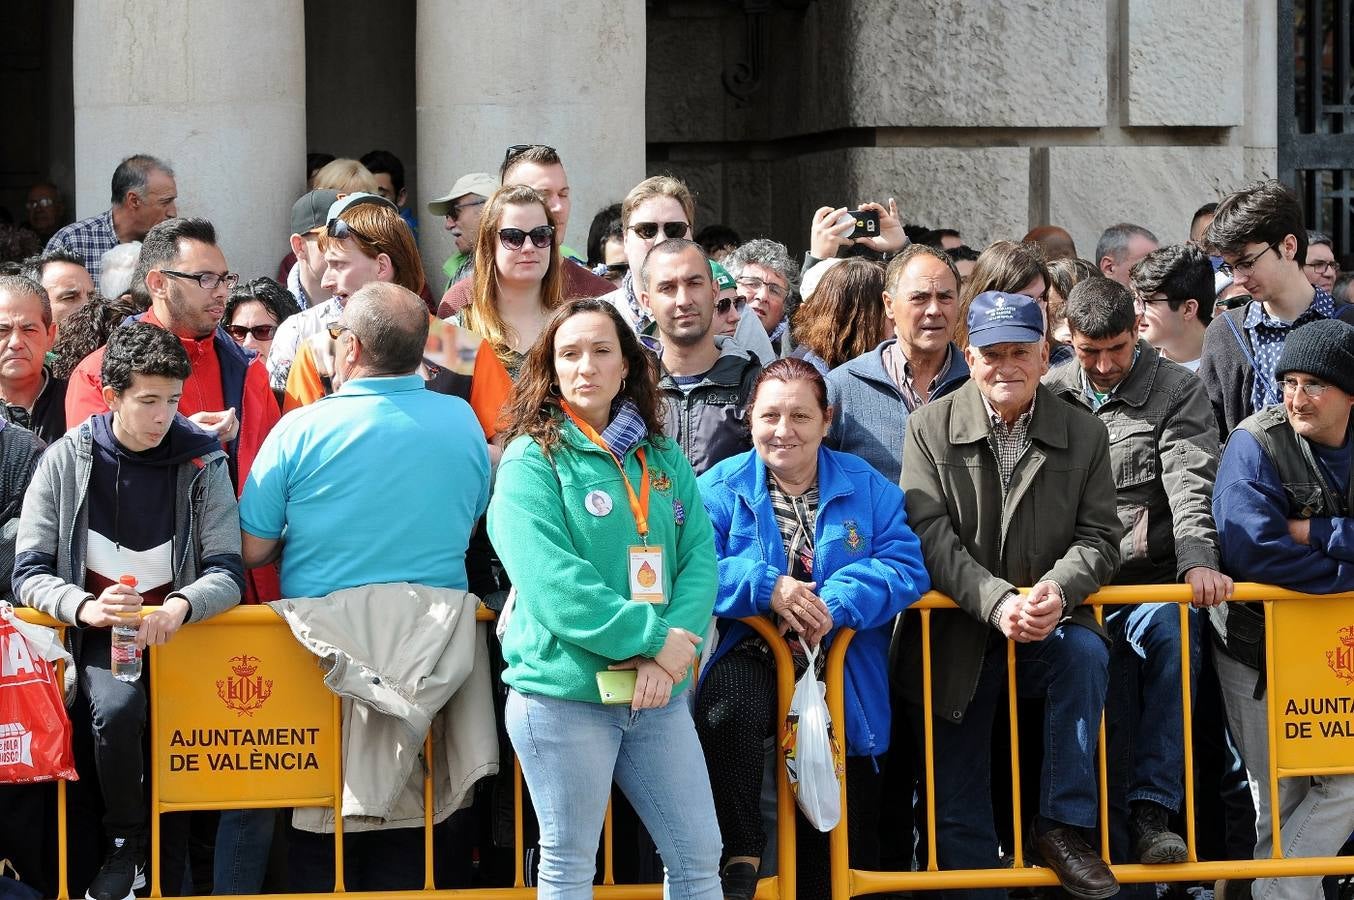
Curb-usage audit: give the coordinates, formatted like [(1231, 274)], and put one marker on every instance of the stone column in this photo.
[(489, 75), (216, 89)]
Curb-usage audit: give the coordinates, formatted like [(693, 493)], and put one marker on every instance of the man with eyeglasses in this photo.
[(874, 394), (1174, 289), (538, 167), (227, 391), (1259, 233), (1283, 502), (144, 194), (766, 277), (705, 382), (462, 207), (1321, 268), (46, 210)]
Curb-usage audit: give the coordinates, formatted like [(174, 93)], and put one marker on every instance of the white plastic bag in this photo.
[(810, 760)]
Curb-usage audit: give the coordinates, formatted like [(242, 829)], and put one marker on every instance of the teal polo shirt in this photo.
[(380, 482)]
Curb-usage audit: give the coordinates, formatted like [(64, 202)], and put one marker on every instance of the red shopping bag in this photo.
[(35, 733)]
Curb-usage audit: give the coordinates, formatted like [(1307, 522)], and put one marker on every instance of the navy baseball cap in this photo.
[(996, 317)]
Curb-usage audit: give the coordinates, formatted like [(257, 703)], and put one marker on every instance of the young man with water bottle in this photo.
[(132, 508)]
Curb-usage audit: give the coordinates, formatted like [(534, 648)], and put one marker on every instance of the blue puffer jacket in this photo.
[(867, 564)]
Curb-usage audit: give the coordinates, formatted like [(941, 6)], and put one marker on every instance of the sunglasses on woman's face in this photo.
[(649, 230), (260, 332), (723, 303), (542, 236)]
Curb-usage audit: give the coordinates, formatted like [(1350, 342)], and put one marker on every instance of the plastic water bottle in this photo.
[(126, 655)]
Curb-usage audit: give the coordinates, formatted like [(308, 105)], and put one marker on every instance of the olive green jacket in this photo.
[(1164, 455), (1057, 522)]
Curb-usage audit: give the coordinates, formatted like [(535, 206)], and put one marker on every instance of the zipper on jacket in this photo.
[(192, 515)]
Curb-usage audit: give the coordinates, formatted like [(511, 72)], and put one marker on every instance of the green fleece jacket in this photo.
[(574, 616)]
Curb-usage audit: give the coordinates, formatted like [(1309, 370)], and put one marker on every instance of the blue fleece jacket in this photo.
[(867, 565), (1251, 512)]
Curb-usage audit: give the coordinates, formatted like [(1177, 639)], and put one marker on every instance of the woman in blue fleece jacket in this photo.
[(816, 540)]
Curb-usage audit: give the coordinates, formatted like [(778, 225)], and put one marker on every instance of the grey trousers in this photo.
[(1316, 814)]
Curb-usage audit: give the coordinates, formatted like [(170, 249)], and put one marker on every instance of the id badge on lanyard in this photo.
[(644, 562)]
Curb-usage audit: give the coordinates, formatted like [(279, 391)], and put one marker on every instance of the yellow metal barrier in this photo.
[(1289, 621), (273, 683), (322, 785)]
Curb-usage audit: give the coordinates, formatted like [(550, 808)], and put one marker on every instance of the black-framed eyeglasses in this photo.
[(1245, 266), (1323, 267), (542, 236), (207, 280), (457, 208), (336, 328), (649, 230), (260, 332), (340, 230), (1312, 389), (518, 149), (723, 303)]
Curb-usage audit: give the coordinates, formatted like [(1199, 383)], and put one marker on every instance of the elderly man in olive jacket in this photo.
[(1008, 486)]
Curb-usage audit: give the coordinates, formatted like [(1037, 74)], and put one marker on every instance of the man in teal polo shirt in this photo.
[(381, 481)]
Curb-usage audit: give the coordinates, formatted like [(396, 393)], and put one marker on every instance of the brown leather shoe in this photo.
[(1082, 873)]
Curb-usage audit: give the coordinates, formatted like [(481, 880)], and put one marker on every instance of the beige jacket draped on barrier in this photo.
[(404, 658)]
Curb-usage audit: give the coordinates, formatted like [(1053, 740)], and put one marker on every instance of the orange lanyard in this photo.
[(639, 504)]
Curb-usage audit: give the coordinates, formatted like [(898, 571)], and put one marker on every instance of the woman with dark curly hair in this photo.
[(598, 522)]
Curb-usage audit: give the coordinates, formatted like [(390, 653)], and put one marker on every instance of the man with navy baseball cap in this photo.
[(1008, 486)]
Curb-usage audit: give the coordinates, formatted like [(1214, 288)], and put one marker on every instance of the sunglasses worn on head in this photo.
[(649, 230), (340, 230), (260, 332), (723, 303), (542, 236), (519, 149)]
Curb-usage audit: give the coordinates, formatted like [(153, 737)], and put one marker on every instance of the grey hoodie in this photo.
[(49, 568)]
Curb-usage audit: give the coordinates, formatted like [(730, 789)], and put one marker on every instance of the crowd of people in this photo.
[(625, 453)]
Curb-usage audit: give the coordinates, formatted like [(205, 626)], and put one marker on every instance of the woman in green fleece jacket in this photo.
[(599, 523)]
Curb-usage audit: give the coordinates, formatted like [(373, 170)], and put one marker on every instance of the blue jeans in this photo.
[(243, 839), (1069, 669), (1143, 717), (571, 751)]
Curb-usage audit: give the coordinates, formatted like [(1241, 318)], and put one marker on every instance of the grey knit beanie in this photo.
[(1323, 349)]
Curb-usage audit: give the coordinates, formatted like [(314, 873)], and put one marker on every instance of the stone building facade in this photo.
[(989, 116)]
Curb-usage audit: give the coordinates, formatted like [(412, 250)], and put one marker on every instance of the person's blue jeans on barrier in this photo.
[(570, 752), (1069, 669), (243, 839), (1143, 712), (1144, 718)]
